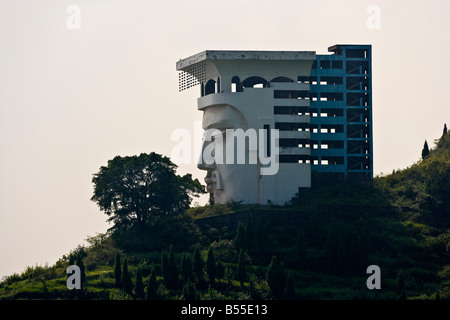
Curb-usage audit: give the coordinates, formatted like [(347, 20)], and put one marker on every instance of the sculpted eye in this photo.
[(219, 134)]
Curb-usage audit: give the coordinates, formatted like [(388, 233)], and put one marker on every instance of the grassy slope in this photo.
[(403, 219)]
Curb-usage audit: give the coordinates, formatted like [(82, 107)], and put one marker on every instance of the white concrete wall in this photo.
[(257, 107), (281, 188)]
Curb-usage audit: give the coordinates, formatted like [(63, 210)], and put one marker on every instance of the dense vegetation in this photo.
[(318, 247)]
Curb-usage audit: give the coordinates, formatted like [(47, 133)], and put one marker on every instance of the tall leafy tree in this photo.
[(345, 249), (71, 260), (425, 150), (333, 246), (444, 132), (189, 291), (250, 234), (211, 265), (186, 267), (290, 289), (241, 269), (400, 285), (80, 264), (118, 271), (127, 285), (276, 277), (141, 189), (300, 248), (220, 270), (173, 270), (183, 267), (240, 241), (165, 267), (139, 286), (150, 292), (197, 263)]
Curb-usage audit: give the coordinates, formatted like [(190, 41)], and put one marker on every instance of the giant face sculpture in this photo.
[(227, 179), (249, 92)]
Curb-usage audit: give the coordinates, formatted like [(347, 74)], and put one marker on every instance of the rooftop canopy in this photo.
[(244, 55)]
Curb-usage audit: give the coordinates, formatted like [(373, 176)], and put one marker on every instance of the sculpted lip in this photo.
[(210, 181)]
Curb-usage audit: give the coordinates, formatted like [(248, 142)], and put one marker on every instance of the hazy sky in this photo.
[(71, 99)]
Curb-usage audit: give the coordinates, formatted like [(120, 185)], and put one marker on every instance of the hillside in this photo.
[(323, 243)]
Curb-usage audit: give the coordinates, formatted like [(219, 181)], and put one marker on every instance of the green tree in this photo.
[(333, 245), (250, 234), (259, 239), (425, 150), (276, 277), (290, 290), (401, 286), (345, 249), (80, 264), (437, 296), (241, 269), (197, 263), (173, 270), (141, 189), (44, 288), (150, 292), (71, 260), (118, 271), (211, 266), (139, 286), (189, 291), (127, 285), (220, 270), (300, 248), (444, 132), (240, 241), (165, 267), (436, 175), (186, 267)]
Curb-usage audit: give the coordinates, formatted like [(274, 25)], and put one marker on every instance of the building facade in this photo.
[(319, 105), (341, 112)]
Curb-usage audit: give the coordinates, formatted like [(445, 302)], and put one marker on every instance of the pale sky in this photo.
[(71, 99)]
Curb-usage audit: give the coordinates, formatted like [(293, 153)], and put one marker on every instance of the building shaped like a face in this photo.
[(261, 101), (244, 90)]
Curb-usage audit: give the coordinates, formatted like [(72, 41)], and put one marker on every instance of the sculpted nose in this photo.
[(205, 162), (205, 166)]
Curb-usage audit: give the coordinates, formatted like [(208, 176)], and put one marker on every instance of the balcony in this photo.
[(290, 86), (295, 151), (329, 168), (328, 136), (291, 118), (328, 152), (327, 88), (327, 104), (328, 120), (294, 134)]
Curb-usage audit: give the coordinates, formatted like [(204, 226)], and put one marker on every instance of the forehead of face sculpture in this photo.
[(223, 117)]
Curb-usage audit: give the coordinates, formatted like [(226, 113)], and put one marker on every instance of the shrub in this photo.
[(139, 287), (241, 269), (276, 277), (224, 250), (127, 285)]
